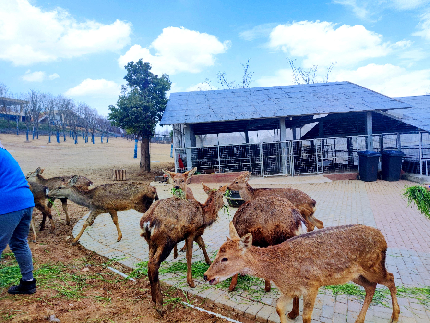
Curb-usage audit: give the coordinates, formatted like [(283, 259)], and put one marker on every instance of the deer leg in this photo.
[(319, 224), (189, 244), (295, 311), (175, 251), (88, 222), (308, 304), (267, 285), (46, 212), (33, 228), (114, 216), (309, 226), (201, 244), (370, 288), (64, 205), (233, 282), (281, 305), (389, 282)]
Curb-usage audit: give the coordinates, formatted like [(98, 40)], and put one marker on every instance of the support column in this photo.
[(246, 137), (294, 132), (369, 143), (190, 141), (321, 129), (283, 138)]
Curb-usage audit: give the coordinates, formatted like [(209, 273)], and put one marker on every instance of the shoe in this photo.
[(24, 287)]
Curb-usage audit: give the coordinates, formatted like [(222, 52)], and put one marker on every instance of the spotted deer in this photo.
[(303, 264), (54, 182), (302, 201), (172, 220), (107, 198)]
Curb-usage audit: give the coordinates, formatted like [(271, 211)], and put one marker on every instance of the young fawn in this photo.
[(40, 193), (54, 182), (301, 265), (108, 198), (303, 202), (172, 220)]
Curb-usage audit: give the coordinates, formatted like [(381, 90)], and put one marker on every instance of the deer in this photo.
[(170, 221), (303, 264), (54, 182), (107, 198), (270, 220), (181, 181), (40, 193), (302, 201)]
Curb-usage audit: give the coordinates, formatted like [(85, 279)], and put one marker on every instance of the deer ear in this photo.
[(246, 176), (233, 232), (38, 170), (207, 189), (246, 241), (223, 189), (190, 172), (170, 174)]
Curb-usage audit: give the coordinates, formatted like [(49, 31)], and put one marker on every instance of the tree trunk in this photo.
[(145, 160)]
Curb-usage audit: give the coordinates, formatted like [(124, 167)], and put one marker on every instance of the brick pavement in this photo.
[(379, 204)]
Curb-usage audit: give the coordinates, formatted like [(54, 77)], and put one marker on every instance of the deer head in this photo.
[(180, 180), (34, 174), (239, 182), (230, 258), (63, 189)]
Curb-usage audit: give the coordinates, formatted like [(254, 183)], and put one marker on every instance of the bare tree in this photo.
[(302, 76), (245, 83)]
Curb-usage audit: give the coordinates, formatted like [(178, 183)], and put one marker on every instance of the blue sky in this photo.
[(78, 48)]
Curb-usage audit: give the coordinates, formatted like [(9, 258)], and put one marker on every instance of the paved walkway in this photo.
[(379, 204)]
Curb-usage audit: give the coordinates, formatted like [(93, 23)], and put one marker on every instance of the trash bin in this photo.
[(368, 165), (391, 165)]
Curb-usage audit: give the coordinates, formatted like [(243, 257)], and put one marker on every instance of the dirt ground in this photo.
[(99, 294)]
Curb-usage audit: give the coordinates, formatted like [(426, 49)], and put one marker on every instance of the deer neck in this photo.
[(78, 196), (247, 193), (210, 210)]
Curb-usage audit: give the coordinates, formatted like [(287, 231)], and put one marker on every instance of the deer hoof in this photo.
[(191, 284), (292, 315), (231, 288)]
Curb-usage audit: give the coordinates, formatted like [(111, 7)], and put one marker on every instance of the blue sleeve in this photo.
[(15, 194)]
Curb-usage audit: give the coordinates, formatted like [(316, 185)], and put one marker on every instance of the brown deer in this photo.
[(172, 220), (54, 182), (303, 202), (40, 193), (301, 265), (270, 220), (181, 181), (107, 198)]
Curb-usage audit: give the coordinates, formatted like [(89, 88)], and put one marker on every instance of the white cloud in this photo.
[(177, 50), (29, 34), (257, 32), (320, 43), (203, 86), (282, 77), (408, 4), (360, 11), (38, 76), (388, 79), (424, 26), (95, 88)]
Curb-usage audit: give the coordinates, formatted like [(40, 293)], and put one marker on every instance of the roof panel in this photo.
[(296, 100)]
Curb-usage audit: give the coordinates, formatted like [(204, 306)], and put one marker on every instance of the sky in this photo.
[(79, 48)]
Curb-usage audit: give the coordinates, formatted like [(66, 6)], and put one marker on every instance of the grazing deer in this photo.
[(271, 221), (301, 265), (108, 198), (40, 193), (303, 202), (54, 182), (181, 181), (172, 220)]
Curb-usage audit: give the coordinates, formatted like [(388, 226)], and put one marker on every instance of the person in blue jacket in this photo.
[(16, 208)]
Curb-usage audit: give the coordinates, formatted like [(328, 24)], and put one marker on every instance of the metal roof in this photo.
[(7, 102), (418, 115), (273, 102)]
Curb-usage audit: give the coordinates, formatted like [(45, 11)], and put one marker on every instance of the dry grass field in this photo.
[(74, 284)]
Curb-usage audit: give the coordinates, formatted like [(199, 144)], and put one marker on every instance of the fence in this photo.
[(314, 156)]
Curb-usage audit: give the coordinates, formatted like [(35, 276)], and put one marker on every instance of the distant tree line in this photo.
[(52, 115)]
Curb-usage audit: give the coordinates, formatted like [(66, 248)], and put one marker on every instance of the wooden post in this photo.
[(119, 175)]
